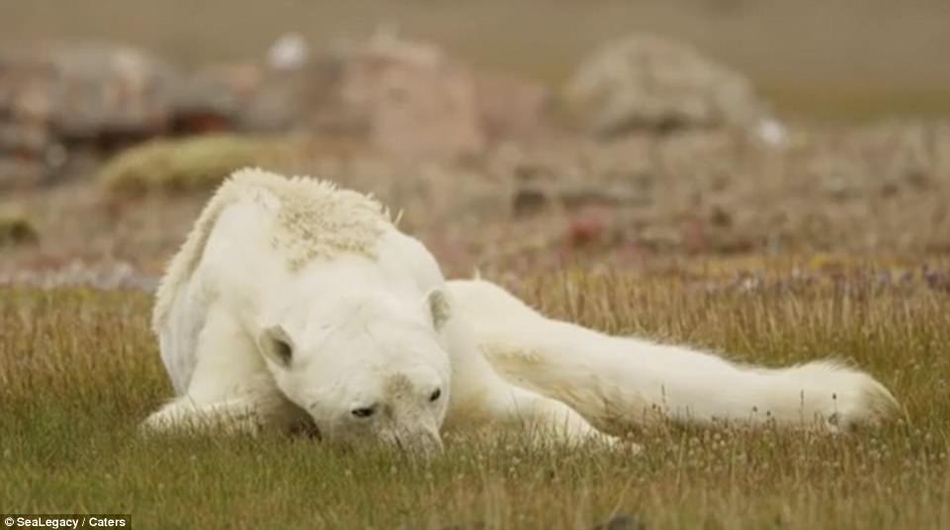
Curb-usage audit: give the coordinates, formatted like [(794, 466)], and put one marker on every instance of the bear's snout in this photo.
[(426, 443)]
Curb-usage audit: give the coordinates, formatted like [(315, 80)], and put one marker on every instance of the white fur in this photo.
[(618, 383), (278, 265)]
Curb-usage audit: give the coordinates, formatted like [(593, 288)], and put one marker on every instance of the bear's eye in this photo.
[(436, 394), (364, 412)]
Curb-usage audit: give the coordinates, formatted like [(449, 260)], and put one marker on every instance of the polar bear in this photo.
[(621, 383), (293, 302)]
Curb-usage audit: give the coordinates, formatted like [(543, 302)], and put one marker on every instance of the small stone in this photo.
[(477, 525), (528, 201), (16, 229), (587, 227), (622, 522), (720, 217)]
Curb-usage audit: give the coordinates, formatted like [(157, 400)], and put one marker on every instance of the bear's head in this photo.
[(368, 367)]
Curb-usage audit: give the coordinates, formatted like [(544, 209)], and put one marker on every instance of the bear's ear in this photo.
[(275, 344), (439, 308)]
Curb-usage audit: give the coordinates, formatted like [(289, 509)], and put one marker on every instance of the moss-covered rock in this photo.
[(16, 228), (194, 163)]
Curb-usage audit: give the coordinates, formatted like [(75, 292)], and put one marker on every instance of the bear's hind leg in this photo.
[(481, 396), (549, 420)]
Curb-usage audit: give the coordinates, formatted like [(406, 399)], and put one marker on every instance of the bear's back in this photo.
[(309, 219)]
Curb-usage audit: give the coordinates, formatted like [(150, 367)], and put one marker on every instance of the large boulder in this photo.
[(416, 100), (650, 83), (405, 97), (86, 91), (101, 91), (512, 108), (55, 100)]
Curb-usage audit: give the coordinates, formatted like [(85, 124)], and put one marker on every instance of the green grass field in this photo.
[(79, 368)]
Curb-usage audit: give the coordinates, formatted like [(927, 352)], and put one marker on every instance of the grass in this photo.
[(79, 368)]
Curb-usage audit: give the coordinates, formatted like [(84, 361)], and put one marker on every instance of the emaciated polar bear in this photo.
[(293, 301)]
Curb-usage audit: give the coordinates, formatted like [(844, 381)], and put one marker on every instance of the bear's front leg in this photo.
[(256, 406), (184, 414), (229, 388), (239, 414)]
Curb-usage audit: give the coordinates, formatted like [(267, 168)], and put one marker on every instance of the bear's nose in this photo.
[(425, 444)]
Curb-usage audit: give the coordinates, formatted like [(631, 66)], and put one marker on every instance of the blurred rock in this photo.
[(403, 98), (213, 98), (16, 228), (511, 108), (303, 99), (54, 100), (772, 132), (416, 100), (195, 163), (16, 173), (530, 200), (109, 92), (938, 280), (407, 98), (622, 522), (589, 225), (647, 82), (289, 52), (24, 139), (477, 525)]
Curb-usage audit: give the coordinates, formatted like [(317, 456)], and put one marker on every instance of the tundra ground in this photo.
[(79, 369)]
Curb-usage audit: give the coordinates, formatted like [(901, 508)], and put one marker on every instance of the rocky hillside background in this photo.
[(651, 150)]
